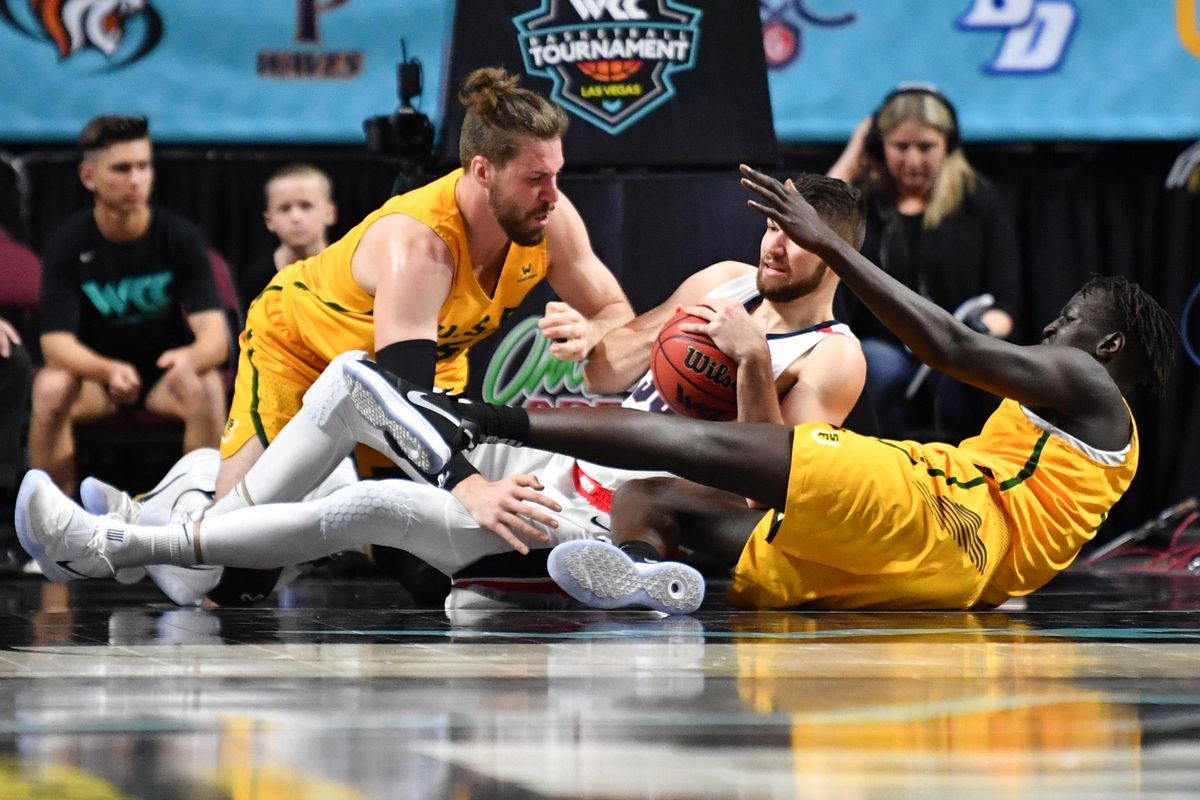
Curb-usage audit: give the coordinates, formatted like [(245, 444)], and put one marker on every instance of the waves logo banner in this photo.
[(122, 31), (611, 61)]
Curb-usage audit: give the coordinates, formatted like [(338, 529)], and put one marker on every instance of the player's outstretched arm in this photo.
[(1065, 379), (584, 283)]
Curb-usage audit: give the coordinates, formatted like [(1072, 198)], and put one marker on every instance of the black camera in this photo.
[(406, 132)]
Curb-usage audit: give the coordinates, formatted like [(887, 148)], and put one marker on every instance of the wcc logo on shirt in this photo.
[(611, 61), (73, 27), (133, 299)]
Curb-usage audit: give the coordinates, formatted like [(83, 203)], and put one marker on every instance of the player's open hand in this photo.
[(567, 331), (509, 507), (791, 212)]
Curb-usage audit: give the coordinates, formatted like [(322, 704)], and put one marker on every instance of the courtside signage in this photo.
[(521, 371)]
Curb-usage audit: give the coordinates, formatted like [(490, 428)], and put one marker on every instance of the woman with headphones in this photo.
[(940, 228)]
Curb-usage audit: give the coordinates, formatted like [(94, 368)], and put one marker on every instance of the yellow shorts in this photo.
[(276, 366), (873, 523), (274, 371)]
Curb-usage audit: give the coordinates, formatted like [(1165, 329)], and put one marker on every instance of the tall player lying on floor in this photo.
[(856, 521), (795, 363)]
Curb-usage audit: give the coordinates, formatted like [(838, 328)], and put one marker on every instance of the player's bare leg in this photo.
[(665, 514)]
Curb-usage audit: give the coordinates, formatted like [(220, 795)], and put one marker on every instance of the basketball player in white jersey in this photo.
[(796, 364)]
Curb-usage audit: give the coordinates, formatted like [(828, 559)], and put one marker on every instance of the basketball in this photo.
[(693, 377), (609, 71)]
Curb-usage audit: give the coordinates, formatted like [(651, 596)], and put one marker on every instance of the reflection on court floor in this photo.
[(1091, 689)]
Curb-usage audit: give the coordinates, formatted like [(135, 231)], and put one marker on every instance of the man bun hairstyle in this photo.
[(500, 114), (111, 129)]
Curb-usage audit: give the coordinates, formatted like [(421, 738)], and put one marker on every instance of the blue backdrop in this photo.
[(310, 71)]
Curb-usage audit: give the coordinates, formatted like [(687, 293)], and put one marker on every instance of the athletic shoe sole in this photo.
[(381, 405), (51, 569), (600, 575), (185, 586)]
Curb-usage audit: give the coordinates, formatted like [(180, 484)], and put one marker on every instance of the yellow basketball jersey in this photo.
[(875, 523), (331, 313), (1055, 495)]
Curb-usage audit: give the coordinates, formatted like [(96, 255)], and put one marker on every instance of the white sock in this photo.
[(140, 545)]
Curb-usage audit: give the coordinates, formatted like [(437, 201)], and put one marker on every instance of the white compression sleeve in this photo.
[(423, 520), (305, 452)]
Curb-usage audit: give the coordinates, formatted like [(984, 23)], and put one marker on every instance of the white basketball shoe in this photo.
[(601, 575), (183, 492), (67, 542)]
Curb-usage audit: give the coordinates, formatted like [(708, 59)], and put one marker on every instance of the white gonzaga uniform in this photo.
[(583, 489), (426, 521)]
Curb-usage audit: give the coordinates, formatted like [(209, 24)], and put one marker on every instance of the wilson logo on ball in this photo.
[(703, 364), (691, 374)]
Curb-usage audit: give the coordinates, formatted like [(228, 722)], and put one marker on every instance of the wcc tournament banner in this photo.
[(646, 82)]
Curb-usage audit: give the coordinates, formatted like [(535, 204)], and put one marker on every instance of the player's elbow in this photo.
[(598, 379)]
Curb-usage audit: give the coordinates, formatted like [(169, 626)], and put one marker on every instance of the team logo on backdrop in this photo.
[(611, 61), (1037, 33), (74, 27), (307, 62), (783, 36)]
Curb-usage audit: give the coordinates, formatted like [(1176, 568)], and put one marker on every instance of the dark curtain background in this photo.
[(1080, 209)]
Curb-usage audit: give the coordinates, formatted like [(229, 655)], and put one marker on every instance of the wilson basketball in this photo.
[(691, 374)]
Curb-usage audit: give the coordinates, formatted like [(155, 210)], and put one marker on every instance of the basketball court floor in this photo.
[(341, 689)]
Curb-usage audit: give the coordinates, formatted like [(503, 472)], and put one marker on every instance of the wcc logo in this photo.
[(73, 27), (1037, 33), (133, 299), (611, 61)]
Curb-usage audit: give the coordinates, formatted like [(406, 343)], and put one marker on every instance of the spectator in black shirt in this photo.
[(299, 210), (940, 228), (130, 314)]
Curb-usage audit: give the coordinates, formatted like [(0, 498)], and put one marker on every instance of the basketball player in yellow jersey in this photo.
[(856, 521), (427, 275)]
